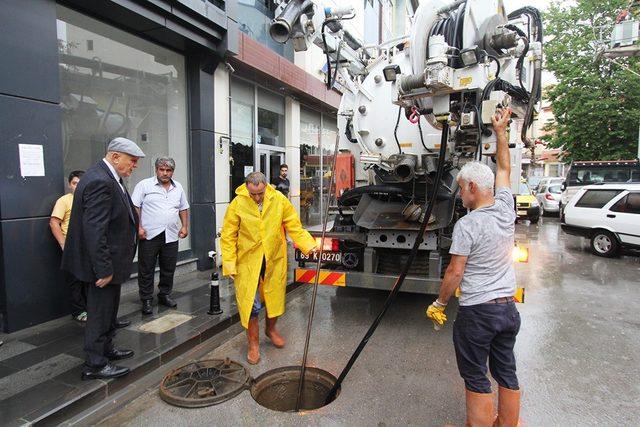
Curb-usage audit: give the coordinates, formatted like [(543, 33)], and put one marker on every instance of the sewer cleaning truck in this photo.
[(402, 100)]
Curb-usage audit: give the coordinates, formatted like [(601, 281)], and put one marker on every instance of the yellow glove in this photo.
[(435, 312)]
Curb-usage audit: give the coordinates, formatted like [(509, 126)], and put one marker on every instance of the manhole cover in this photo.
[(278, 389), (204, 383)]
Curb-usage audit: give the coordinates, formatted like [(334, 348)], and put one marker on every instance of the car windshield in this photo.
[(555, 189), (524, 189)]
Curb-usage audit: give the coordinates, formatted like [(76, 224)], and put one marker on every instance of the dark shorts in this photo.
[(486, 332)]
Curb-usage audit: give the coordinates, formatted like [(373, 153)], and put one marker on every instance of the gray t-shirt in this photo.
[(486, 237)]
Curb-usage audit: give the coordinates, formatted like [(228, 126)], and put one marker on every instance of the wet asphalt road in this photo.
[(578, 351)]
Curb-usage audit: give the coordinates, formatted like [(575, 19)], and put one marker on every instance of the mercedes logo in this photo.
[(350, 260)]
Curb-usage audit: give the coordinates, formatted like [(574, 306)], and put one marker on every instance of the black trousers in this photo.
[(78, 292), (486, 331), (102, 314), (166, 254)]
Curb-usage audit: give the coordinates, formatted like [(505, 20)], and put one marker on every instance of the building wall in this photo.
[(29, 114), (32, 287)]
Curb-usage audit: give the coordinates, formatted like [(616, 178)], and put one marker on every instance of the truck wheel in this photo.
[(604, 244)]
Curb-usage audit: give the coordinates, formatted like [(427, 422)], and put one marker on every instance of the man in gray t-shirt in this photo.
[(487, 322), (485, 237)]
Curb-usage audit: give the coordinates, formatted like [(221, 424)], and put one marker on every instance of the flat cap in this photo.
[(124, 145)]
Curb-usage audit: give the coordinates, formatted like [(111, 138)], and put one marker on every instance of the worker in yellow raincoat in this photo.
[(254, 255)]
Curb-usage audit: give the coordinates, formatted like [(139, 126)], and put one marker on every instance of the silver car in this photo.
[(549, 196)]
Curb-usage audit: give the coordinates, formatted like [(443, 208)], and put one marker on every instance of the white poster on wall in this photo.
[(31, 159), (248, 170)]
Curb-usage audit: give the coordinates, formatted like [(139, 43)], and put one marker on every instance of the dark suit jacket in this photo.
[(102, 234)]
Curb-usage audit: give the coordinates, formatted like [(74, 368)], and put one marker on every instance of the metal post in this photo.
[(214, 295)]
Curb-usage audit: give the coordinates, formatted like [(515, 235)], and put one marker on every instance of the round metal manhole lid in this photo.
[(204, 383)]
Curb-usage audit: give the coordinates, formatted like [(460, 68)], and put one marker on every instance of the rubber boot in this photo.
[(272, 333), (253, 338), (508, 408), (480, 411)]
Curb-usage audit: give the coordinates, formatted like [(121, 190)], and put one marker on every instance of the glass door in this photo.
[(269, 162)]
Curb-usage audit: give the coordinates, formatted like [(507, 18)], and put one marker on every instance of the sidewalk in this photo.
[(40, 367)]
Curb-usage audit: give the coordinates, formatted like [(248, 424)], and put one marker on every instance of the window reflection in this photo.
[(116, 84)]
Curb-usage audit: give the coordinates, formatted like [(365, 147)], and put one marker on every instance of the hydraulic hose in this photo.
[(405, 268)]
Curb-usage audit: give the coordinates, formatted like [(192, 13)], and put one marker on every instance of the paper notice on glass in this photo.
[(248, 170), (31, 159)]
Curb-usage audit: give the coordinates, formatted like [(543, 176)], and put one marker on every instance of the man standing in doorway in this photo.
[(481, 265), (59, 224), (281, 182), (99, 250), (160, 202), (254, 255)]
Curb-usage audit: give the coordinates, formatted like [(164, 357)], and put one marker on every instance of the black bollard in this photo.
[(214, 299)]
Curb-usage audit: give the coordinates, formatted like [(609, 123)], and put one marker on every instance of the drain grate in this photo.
[(204, 383)]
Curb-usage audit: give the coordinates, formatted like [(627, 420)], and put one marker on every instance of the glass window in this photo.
[(328, 145), (596, 198), (310, 167), (633, 203), (524, 189), (620, 205), (254, 18), (594, 175), (270, 118), (628, 204), (242, 119), (555, 189), (116, 84)]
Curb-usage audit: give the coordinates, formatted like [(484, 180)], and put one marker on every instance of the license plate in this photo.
[(334, 257), (522, 212)]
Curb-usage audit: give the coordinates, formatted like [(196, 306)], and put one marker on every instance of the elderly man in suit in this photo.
[(99, 251)]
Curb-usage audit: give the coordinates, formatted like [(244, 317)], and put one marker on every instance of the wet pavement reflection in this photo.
[(578, 350)]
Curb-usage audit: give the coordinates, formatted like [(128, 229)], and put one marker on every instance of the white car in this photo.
[(548, 196), (607, 214)]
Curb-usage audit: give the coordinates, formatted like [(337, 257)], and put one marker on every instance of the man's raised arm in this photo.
[(500, 124)]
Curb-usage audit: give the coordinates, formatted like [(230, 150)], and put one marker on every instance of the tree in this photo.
[(596, 103)]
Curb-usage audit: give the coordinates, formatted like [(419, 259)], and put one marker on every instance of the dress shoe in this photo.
[(122, 323), (116, 354), (106, 372), (146, 306), (167, 301)]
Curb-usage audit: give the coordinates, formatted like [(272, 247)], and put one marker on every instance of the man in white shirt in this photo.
[(161, 204)]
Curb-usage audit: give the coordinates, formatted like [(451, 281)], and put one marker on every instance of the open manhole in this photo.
[(209, 382), (278, 389), (204, 383)]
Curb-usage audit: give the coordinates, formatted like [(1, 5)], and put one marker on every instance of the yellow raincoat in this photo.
[(248, 235)]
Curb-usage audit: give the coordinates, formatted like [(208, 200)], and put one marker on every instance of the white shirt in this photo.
[(115, 174), (160, 207)]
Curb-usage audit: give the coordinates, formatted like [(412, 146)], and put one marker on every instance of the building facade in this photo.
[(75, 75), (199, 80)]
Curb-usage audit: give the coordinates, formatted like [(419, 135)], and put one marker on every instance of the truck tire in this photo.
[(604, 244)]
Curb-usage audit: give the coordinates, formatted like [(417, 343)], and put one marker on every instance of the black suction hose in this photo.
[(405, 269)]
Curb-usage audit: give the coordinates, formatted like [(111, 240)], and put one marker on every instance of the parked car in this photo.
[(549, 196), (607, 214), (527, 207), (548, 180)]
